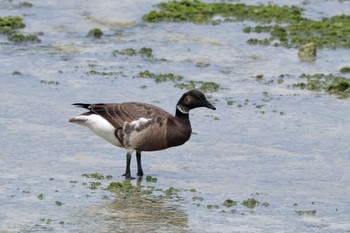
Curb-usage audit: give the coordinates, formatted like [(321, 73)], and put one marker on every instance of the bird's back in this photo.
[(118, 114)]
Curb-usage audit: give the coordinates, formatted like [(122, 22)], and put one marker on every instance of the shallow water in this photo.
[(282, 146)]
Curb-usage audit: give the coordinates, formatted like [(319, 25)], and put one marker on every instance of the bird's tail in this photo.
[(81, 119), (81, 105)]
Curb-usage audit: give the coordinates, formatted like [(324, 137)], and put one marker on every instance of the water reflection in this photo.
[(133, 209)]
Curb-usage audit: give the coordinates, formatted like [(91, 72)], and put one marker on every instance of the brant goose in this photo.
[(141, 127)]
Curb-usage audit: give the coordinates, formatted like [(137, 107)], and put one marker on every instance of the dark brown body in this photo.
[(140, 126)]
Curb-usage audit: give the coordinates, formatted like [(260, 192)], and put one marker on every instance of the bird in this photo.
[(141, 127)]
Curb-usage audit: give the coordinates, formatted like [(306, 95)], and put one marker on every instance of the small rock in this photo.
[(307, 52)]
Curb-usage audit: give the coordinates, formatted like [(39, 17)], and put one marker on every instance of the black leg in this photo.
[(127, 170), (139, 166)]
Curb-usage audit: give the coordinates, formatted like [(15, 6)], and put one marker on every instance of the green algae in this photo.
[(146, 52), (188, 85), (94, 185), (135, 194), (19, 38), (167, 77), (285, 24), (97, 176), (122, 189), (215, 118), (210, 206), (127, 52), (40, 196), (141, 193), (54, 83), (95, 32), (332, 84), (58, 203), (230, 102), (171, 191), (25, 4), (10, 24), (127, 190), (95, 72), (159, 78), (229, 203), (339, 87), (306, 212), (151, 179), (180, 82), (143, 52), (265, 204), (209, 87), (200, 85), (345, 70), (202, 12), (250, 203), (16, 72), (327, 33), (46, 221)]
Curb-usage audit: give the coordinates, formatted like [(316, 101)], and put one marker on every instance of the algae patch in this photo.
[(95, 32), (18, 38), (250, 203), (122, 188), (128, 52), (180, 82), (97, 176), (40, 196), (10, 25), (143, 52), (332, 84), (58, 203), (328, 33), (345, 70), (25, 4), (202, 12), (306, 212), (285, 24), (158, 78), (229, 203), (151, 179)]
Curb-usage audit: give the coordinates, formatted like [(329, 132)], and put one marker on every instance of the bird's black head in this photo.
[(193, 99)]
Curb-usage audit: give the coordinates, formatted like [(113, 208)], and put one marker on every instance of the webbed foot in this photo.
[(140, 173), (128, 177)]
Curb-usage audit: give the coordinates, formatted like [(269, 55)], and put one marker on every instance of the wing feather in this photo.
[(118, 114)]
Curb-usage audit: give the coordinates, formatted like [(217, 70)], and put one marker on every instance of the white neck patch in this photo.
[(182, 109)]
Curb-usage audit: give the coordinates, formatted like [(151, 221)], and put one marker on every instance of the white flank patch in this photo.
[(137, 123), (99, 126)]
